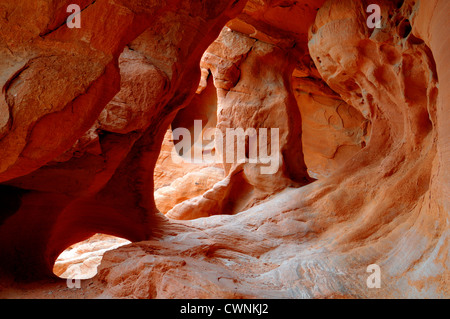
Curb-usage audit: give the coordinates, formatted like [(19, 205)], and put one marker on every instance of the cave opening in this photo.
[(182, 173), (81, 260), (361, 112), (320, 129)]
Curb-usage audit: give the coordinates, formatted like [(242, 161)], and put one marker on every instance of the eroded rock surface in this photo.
[(80, 261), (253, 81), (60, 82), (364, 111)]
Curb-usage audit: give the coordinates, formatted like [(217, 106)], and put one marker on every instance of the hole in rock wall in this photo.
[(332, 130), (380, 195), (181, 172), (10, 201), (80, 261)]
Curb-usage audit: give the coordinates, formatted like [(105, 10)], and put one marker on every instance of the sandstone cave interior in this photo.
[(94, 187)]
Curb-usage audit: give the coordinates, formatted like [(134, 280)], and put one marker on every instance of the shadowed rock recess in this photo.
[(88, 122)]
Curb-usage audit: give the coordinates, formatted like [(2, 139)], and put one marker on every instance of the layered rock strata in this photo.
[(383, 185)]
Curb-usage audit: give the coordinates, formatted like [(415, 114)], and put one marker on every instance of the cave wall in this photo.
[(382, 206), (57, 85), (382, 191)]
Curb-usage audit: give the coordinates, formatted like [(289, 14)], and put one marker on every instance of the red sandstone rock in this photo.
[(81, 260), (333, 131), (317, 241), (108, 192), (178, 182), (253, 81), (383, 187)]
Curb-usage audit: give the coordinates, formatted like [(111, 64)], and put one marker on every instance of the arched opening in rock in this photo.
[(366, 116), (81, 260), (182, 171), (320, 131)]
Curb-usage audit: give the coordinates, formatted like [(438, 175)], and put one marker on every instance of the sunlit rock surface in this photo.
[(363, 174)]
